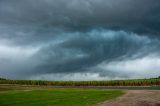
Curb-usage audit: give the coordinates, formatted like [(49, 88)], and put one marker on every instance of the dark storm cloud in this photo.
[(76, 36), (139, 15), (86, 50)]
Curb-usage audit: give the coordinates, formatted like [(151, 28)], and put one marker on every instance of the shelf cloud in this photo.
[(79, 40)]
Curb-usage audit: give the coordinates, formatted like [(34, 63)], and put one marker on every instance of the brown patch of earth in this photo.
[(136, 98)]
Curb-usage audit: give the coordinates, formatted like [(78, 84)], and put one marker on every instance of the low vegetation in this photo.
[(2, 79), (59, 97), (140, 82)]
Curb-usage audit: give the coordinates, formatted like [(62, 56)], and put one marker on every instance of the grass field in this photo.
[(56, 97)]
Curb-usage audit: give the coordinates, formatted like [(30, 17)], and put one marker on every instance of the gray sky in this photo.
[(79, 39)]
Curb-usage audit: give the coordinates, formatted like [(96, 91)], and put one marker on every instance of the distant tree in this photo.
[(2, 79)]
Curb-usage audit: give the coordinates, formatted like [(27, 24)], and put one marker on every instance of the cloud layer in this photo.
[(58, 39)]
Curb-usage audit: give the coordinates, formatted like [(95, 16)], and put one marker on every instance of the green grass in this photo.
[(57, 97)]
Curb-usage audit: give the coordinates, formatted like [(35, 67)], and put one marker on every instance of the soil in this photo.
[(136, 98)]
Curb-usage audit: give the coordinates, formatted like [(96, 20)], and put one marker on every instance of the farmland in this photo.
[(138, 82), (77, 93)]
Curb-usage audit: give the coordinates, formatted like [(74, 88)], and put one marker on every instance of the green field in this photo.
[(56, 97), (136, 82)]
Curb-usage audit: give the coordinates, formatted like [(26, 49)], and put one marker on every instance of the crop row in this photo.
[(142, 82)]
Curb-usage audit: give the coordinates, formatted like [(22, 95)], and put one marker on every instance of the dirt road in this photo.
[(136, 98)]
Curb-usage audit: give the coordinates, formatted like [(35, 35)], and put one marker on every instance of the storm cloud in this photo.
[(79, 40)]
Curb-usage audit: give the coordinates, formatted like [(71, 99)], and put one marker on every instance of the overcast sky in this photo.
[(79, 39)]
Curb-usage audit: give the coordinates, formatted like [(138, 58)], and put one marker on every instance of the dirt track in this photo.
[(137, 98)]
